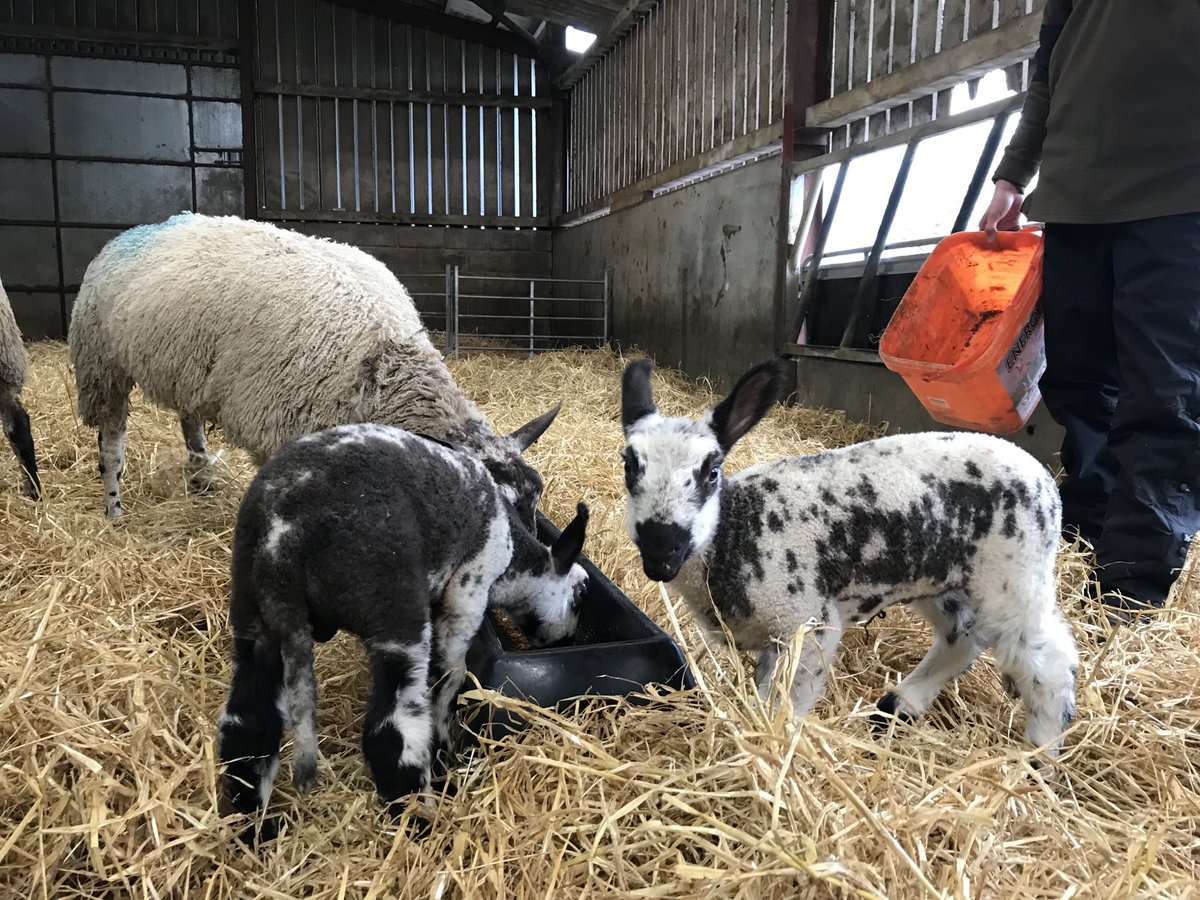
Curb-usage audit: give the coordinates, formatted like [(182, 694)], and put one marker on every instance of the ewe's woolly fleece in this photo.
[(13, 360), (265, 332)]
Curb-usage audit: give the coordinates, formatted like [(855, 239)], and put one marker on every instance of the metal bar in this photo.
[(871, 269), (183, 164), (539, 280), (437, 98), (607, 308), (986, 157), (457, 329), (515, 338), (846, 354), (247, 41), (449, 304), (810, 284), (806, 219), (531, 317), (916, 133), (515, 318), (517, 297)]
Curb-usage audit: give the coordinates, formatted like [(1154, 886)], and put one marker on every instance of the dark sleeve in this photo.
[(1024, 151)]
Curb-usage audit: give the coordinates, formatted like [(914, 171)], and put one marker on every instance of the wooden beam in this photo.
[(620, 26), (113, 36), (451, 25), (1000, 47), (917, 132), (496, 11), (730, 152), (402, 96)]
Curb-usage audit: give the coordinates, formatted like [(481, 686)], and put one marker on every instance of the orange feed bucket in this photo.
[(967, 336)]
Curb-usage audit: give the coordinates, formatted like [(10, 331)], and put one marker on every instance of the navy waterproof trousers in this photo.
[(1122, 311)]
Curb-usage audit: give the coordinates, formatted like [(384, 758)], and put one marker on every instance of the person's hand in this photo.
[(1004, 212)]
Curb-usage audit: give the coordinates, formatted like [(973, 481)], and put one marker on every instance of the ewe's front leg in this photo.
[(15, 421), (199, 463), (111, 441), (953, 651), (817, 651)]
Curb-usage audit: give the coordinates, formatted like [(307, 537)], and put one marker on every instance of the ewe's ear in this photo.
[(569, 545), (747, 403), (637, 401), (527, 434)]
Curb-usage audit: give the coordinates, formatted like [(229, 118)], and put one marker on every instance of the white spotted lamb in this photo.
[(963, 528), (402, 541), (14, 418), (269, 334)]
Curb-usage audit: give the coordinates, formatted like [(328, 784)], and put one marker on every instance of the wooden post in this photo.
[(247, 42)]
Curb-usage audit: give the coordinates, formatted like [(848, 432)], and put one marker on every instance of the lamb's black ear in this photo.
[(747, 403), (569, 545), (527, 434), (637, 400)]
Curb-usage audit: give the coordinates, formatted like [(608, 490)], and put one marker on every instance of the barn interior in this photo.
[(561, 186)]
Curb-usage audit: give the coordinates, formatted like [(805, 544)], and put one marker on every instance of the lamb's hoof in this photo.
[(304, 775), (887, 710), (261, 832), (114, 511), (31, 490)]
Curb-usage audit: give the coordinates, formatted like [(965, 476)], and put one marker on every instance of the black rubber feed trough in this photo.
[(617, 650)]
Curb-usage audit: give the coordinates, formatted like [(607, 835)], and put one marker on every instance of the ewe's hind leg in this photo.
[(15, 421), (817, 653), (251, 728), (398, 731), (1040, 662), (953, 651), (199, 462), (300, 702)]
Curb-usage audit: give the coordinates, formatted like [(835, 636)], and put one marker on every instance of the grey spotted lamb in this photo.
[(13, 417), (963, 528), (402, 541)]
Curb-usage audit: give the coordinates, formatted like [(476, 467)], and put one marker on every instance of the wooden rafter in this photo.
[(621, 24)]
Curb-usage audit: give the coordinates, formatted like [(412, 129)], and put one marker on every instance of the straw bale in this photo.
[(113, 669)]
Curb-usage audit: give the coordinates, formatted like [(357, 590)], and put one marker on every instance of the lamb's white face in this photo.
[(672, 490)]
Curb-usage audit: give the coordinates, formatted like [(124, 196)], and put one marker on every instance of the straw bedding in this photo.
[(113, 669)]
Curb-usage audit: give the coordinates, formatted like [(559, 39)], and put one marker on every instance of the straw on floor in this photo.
[(113, 670)]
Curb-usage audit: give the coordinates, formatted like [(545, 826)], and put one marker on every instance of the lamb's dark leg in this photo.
[(300, 701), (398, 731), (251, 728), (953, 651), (455, 625), (15, 420)]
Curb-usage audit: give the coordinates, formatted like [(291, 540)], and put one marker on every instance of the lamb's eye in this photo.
[(630, 464), (714, 474)]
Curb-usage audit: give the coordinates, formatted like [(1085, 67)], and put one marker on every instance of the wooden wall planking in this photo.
[(913, 31), (365, 116), (690, 77)]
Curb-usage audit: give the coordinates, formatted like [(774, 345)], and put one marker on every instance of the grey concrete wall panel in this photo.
[(150, 128), (217, 126), (874, 394), (22, 68), (38, 314), (212, 82), (28, 256), (24, 121), (26, 189), (693, 271), (118, 75), (122, 193), (79, 247), (220, 192)]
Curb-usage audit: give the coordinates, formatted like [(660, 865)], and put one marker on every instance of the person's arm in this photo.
[(1024, 151)]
